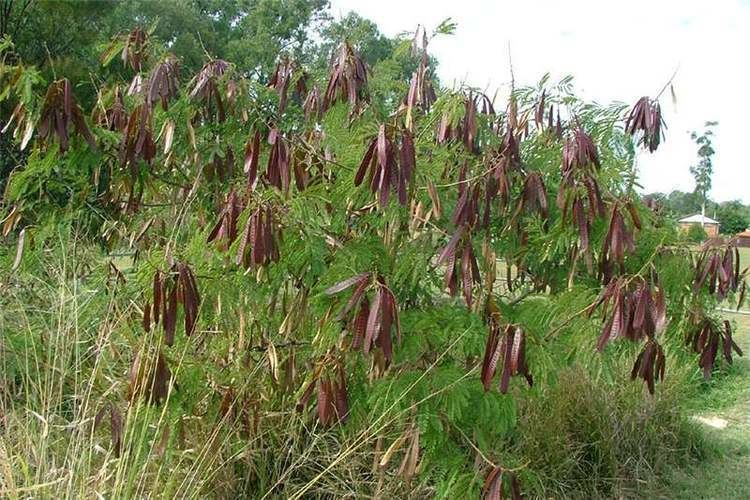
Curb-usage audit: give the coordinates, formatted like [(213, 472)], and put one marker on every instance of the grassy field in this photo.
[(722, 408)]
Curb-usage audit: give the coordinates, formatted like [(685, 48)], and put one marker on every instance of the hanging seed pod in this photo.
[(115, 117), (225, 230), (421, 93), (162, 84), (137, 142), (707, 339), (332, 401), (465, 129), (374, 319), (649, 365), (252, 154), (347, 80), (646, 121), (495, 490), (462, 266), (579, 152), (60, 110), (286, 73), (205, 86), (278, 171), (312, 105), (632, 309), (258, 246), (388, 166), (149, 379), (134, 52), (178, 287), (533, 197), (718, 269), (619, 239), (506, 348)]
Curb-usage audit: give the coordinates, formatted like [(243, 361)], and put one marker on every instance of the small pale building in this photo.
[(743, 238), (709, 225)]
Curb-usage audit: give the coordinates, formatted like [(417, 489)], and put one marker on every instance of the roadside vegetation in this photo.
[(328, 275)]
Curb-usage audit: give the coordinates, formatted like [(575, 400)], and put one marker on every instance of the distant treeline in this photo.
[(733, 216)]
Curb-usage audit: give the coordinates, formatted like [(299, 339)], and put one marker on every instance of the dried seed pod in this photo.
[(579, 152), (461, 260), (332, 401), (421, 93), (507, 348), (59, 110), (286, 73), (259, 243), (649, 365), (149, 379), (374, 319), (178, 287), (645, 120), (347, 80), (134, 52), (637, 311), (390, 166), (225, 229), (138, 140), (162, 84), (705, 339), (115, 117), (312, 105), (278, 171), (619, 239), (252, 154), (533, 197), (718, 267), (205, 86), (465, 129), (493, 485)]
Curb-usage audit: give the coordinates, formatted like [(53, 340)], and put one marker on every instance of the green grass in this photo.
[(724, 400), (724, 474)]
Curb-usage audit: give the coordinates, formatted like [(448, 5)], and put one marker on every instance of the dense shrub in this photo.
[(696, 234), (231, 288)]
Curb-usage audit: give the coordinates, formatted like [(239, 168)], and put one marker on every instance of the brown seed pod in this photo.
[(332, 400), (706, 337), (375, 317), (388, 165), (178, 287), (259, 242), (493, 485), (205, 86), (649, 365), (631, 308), (60, 110), (718, 269), (347, 80), (506, 347), (645, 120), (162, 83)]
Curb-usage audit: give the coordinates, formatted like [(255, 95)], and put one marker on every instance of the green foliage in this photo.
[(733, 217), (696, 234)]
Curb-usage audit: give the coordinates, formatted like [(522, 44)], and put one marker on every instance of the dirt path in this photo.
[(726, 419)]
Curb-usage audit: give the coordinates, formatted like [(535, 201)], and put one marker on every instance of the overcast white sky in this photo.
[(615, 51)]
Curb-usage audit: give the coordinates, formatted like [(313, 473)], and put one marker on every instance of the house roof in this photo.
[(698, 218), (745, 233)]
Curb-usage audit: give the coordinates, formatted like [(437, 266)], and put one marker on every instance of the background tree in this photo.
[(733, 217), (703, 171)]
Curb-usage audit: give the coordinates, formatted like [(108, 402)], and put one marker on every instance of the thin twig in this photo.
[(671, 79)]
